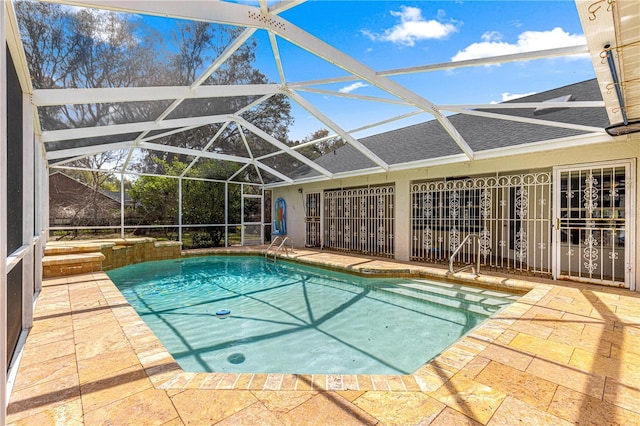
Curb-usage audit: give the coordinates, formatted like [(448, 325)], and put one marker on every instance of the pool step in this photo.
[(484, 302)]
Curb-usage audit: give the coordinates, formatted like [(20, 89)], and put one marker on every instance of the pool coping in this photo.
[(165, 373)]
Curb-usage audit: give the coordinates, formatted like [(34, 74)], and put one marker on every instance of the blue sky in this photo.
[(396, 34)]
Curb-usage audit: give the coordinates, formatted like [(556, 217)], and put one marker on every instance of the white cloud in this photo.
[(412, 28), (506, 96), (350, 88), (493, 45)]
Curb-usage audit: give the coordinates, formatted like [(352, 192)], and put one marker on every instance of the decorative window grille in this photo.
[(312, 220), (511, 215), (360, 220), (592, 223)]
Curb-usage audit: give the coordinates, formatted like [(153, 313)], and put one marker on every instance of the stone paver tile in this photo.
[(243, 381), (507, 355), (327, 408), (288, 382), (228, 381), (199, 407), (622, 395), (455, 357), (48, 370), (449, 417), (515, 412), (256, 414), (410, 383), (175, 422), (400, 408), (68, 413), (351, 395), (103, 341), (106, 364), (474, 367), (519, 384), (45, 325), (581, 409), (364, 382), (567, 376), (469, 397), (144, 408), (505, 338), (350, 382), (542, 348), (319, 382), (48, 337), (121, 384), (380, 382), (613, 367), (50, 351), (258, 381), (532, 328), (304, 382), (273, 382), (45, 396), (283, 401)]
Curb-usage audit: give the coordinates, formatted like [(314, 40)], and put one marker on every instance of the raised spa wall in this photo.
[(79, 257)]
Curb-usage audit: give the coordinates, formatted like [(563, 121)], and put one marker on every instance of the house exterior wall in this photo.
[(622, 148)]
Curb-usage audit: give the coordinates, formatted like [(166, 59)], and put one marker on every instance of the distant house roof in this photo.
[(429, 140)]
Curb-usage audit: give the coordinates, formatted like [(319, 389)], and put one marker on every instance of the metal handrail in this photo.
[(475, 270), (282, 244)]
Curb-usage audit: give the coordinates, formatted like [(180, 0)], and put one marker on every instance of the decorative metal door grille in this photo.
[(592, 208), (312, 220), (360, 220), (511, 215)]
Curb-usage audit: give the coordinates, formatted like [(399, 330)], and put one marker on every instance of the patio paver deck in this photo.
[(563, 354)]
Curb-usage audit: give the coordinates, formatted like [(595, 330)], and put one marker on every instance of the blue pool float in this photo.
[(223, 313)]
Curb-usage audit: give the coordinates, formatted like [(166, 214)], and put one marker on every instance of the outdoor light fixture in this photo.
[(625, 127)]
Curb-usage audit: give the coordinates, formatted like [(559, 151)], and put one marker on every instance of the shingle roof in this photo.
[(429, 140)]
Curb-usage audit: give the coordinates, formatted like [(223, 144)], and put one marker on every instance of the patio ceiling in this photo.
[(613, 24)]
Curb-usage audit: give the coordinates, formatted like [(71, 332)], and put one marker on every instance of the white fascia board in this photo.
[(333, 126), (118, 129), (88, 150), (283, 147), (49, 97), (431, 162), (526, 120), (545, 146), (192, 152)]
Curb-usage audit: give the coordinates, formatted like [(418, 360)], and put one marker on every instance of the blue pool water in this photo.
[(288, 318)]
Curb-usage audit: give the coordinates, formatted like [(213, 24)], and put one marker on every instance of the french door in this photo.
[(594, 227)]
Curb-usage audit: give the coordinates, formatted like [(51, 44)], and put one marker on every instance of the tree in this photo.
[(199, 45)]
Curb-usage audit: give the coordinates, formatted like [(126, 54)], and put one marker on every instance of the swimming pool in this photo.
[(290, 318)]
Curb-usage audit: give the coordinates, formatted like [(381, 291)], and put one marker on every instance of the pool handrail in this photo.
[(282, 244), (475, 270)]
